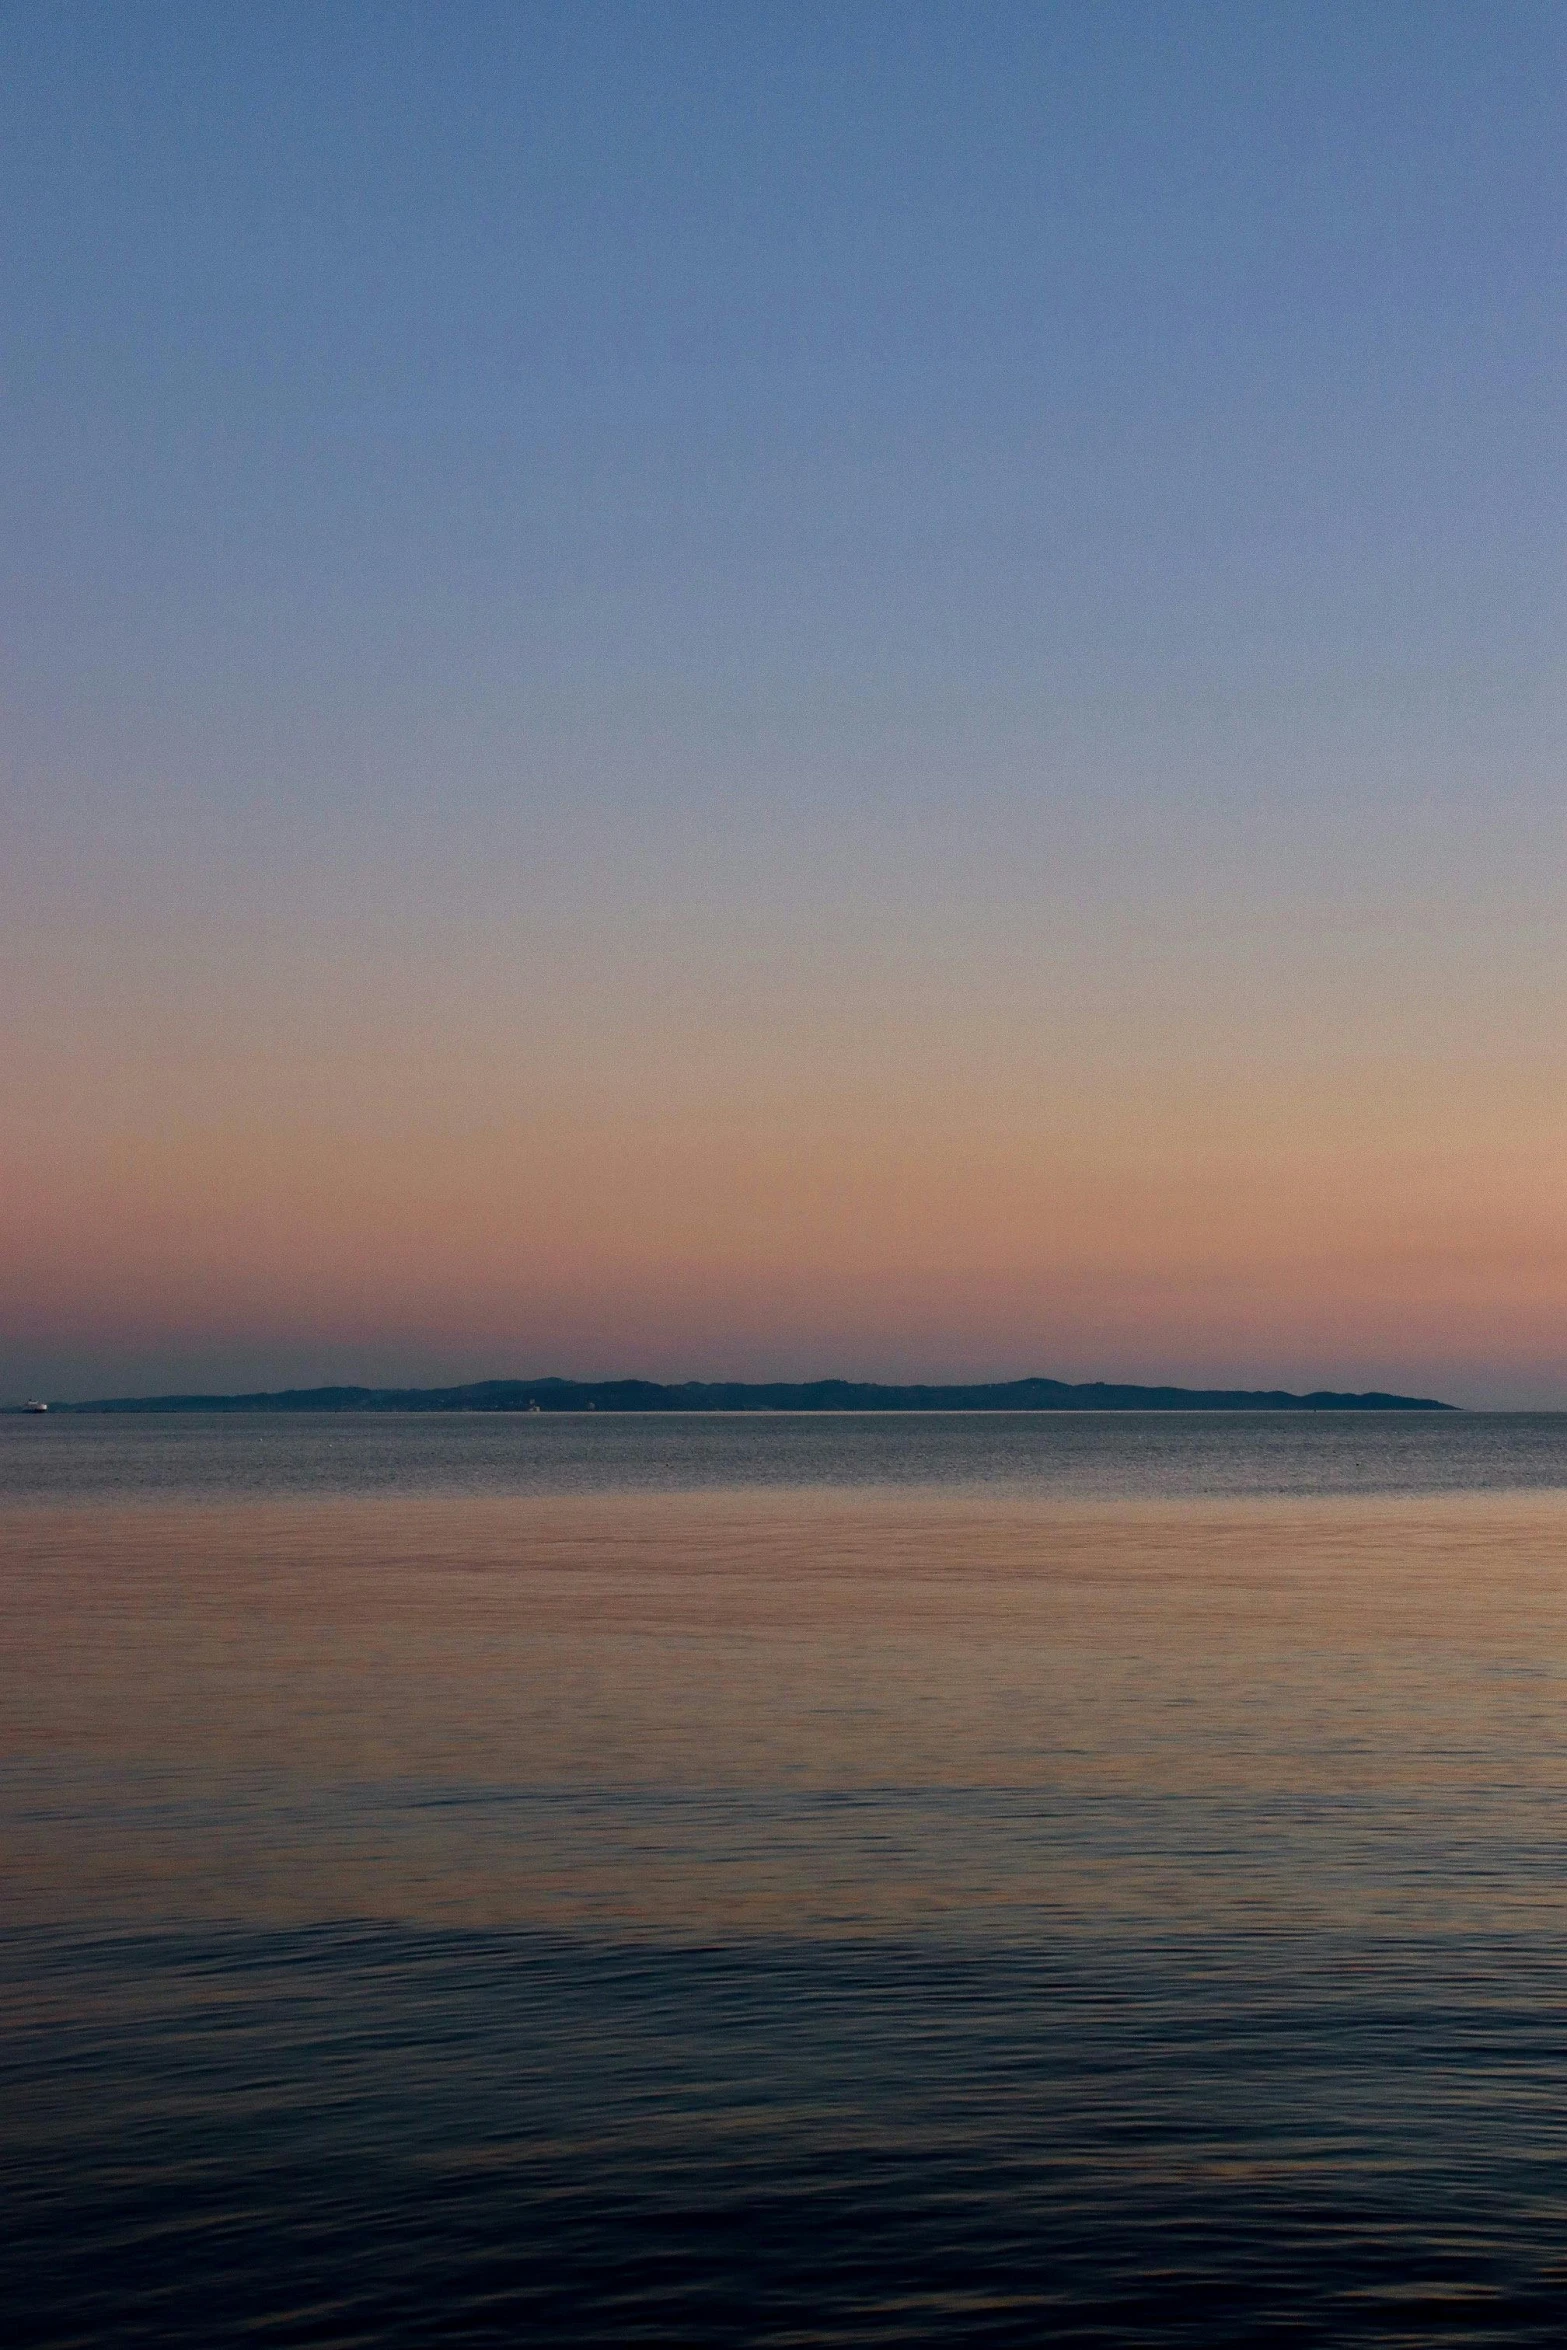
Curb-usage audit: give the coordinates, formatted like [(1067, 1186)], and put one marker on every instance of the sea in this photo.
[(783, 1880)]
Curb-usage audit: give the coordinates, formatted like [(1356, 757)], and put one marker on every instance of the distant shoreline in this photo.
[(818, 1395)]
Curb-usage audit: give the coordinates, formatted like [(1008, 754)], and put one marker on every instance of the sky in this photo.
[(788, 690)]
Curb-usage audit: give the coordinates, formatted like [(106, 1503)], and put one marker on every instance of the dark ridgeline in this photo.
[(815, 1395)]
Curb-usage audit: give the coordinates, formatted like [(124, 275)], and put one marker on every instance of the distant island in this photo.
[(814, 1395)]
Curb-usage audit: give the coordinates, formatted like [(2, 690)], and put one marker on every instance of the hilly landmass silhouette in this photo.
[(813, 1395)]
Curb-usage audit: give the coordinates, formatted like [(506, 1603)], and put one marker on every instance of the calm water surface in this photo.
[(973, 1879)]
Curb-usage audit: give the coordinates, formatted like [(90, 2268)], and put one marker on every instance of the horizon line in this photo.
[(631, 1393)]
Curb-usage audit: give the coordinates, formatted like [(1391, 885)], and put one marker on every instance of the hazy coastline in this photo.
[(819, 1395)]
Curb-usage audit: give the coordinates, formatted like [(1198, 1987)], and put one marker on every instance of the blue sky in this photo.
[(611, 513)]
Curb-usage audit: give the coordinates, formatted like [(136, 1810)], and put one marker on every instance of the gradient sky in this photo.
[(723, 691)]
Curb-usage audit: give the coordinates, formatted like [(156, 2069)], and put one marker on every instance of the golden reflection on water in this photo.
[(785, 1711)]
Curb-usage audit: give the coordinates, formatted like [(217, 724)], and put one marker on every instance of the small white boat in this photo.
[(32, 1405)]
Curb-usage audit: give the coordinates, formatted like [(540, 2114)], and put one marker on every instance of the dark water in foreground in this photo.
[(784, 1882)]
